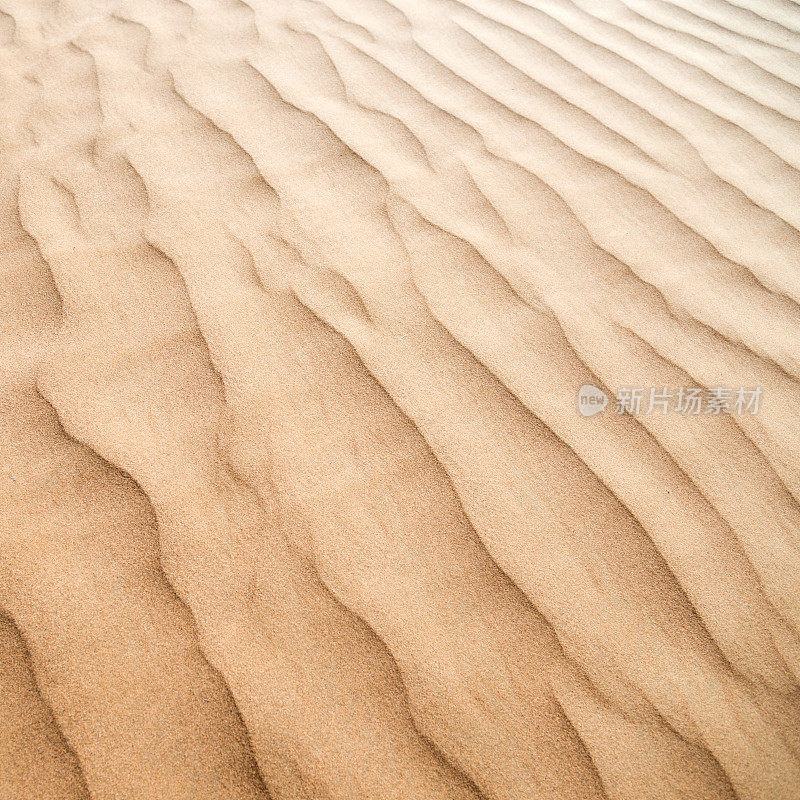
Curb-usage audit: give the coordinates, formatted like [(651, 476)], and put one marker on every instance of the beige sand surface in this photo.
[(296, 298)]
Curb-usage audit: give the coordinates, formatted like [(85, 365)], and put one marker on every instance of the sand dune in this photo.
[(297, 300)]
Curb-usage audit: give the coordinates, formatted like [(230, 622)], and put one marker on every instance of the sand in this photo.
[(297, 498)]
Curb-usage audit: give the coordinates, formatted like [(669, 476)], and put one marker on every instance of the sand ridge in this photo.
[(297, 300)]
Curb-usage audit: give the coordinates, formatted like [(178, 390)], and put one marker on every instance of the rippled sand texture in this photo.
[(296, 298)]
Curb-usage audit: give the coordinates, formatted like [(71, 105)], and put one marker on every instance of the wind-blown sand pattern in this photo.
[(296, 300)]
